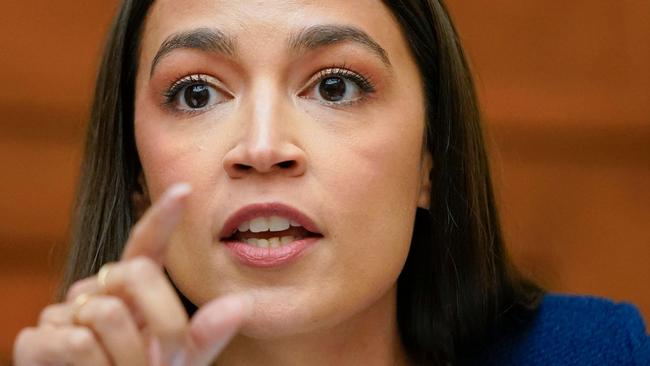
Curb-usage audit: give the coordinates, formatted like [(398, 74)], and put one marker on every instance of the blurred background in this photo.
[(565, 89)]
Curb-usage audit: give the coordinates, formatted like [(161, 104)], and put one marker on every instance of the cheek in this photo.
[(370, 180), (156, 148), (155, 159), (373, 175), (171, 152)]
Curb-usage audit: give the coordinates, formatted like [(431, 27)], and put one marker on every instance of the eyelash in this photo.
[(363, 82), (341, 70), (172, 92)]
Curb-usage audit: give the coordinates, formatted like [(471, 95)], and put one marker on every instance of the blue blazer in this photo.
[(576, 331)]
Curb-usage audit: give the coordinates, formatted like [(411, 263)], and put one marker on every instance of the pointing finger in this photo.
[(151, 234)]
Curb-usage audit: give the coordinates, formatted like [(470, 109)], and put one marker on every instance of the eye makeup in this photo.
[(192, 94), (179, 96), (363, 82)]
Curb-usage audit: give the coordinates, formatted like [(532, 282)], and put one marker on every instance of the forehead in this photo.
[(265, 25)]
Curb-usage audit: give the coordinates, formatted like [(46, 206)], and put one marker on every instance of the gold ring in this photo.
[(81, 300), (102, 275), (78, 303)]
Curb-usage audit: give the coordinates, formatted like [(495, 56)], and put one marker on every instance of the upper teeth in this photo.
[(273, 223)]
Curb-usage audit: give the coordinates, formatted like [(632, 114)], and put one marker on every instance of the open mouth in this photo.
[(269, 232)]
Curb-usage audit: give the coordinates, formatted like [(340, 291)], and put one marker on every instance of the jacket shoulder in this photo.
[(576, 330)]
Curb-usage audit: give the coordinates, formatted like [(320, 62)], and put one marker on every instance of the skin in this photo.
[(132, 316), (357, 170)]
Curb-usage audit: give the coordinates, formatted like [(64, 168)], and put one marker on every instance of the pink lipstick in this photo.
[(268, 234)]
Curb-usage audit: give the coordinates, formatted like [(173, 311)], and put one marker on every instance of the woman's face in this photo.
[(316, 105)]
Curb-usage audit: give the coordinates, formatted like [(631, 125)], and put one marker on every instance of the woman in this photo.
[(339, 207)]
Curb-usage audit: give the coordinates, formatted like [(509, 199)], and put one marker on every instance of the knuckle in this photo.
[(24, 338), (80, 341), (82, 286), (111, 310), (49, 313), (24, 346), (143, 268), (74, 290)]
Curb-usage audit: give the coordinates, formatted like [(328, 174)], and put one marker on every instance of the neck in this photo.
[(369, 338)]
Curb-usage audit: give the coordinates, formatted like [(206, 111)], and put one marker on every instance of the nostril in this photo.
[(287, 164), (242, 167)]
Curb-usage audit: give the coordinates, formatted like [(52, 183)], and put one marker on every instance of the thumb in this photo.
[(213, 325)]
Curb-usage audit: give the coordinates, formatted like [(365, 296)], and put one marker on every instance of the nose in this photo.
[(266, 143)]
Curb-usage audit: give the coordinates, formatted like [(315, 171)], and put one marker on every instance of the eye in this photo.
[(338, 86), (335, 89), (194, 93), (196, 96)]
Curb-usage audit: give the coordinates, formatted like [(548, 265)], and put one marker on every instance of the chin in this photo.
[(282, 320), (265, 324)]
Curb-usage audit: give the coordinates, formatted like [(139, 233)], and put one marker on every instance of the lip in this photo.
[(250, 212), (268, 257)]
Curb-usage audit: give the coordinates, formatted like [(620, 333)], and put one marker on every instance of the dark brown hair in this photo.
[(457, 287)]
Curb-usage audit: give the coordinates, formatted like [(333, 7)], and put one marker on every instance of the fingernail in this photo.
[(178, 190), (239, 302), (171, 202)]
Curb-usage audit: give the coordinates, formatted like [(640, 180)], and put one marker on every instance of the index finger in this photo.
[(150, 236)]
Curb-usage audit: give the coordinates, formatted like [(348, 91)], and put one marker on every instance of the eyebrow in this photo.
[(323, 35), (203, 39), (310, 38)]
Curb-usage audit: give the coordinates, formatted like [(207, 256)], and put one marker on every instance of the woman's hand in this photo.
[(129, 314)]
